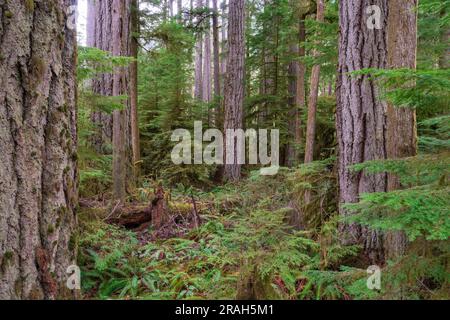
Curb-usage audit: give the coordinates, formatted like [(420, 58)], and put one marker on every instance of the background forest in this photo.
[(364, 119)]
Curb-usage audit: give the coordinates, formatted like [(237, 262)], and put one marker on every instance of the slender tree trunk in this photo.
[(360, 116), (401, 121), (198, 81), (224, 40), (206, 91), (38, 142), (171, 8), (234, 83), (297, 90), (291, 149), (314, 92), (180, 10), (444, 60), (300, 96), (135, 137), (216, 50)]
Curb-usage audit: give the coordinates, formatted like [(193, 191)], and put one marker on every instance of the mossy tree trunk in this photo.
[(38, 142)]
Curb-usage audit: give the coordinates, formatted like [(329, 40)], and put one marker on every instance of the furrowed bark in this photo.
[(360, 116), (234, 83), (38, 141)]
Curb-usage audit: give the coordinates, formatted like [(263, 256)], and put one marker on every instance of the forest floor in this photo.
[(235, 241)]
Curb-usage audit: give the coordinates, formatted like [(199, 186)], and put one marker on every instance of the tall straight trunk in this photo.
[(300, 96), (224, 40), (180, 10), (98, 36), (297, 90), (291, 149), (207, 85), (135, 138), (38, 142), (171, 8), (198, 77), (216, 49), (113, 33), (444, 59), (122, 150), (360, 114), (313, 95), (234, 82), (401, 121)]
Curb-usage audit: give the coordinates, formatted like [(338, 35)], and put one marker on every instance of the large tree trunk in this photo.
[(360, 116), (313, 95), (198, 77), (38, 142), (234, 83), (401, 121)]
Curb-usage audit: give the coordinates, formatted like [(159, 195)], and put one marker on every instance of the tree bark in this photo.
[(113, 33), (216, 49), (234, 83), (314, 92), (135, 136), (38, 141), (360, 116), (198, 77), (444, 59), (98, 36), (206, 91), (401, 121)]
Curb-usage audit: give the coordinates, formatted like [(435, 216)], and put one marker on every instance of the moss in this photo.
[(51, 229), (74, 156), (39, 67), (8, 14), (29, 4), (73, 241)]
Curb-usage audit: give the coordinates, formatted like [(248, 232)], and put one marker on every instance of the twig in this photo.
[(113, 211)]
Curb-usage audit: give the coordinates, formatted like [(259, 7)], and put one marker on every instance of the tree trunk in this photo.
[(113, 33), (444, 59), (198, 81), (122, 150), (234, 83), (360, 115), (135, 137), (216, 49), (180, 11), (401, 121), (98, 36), (38, 141), (314, 92), (206, 91)]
